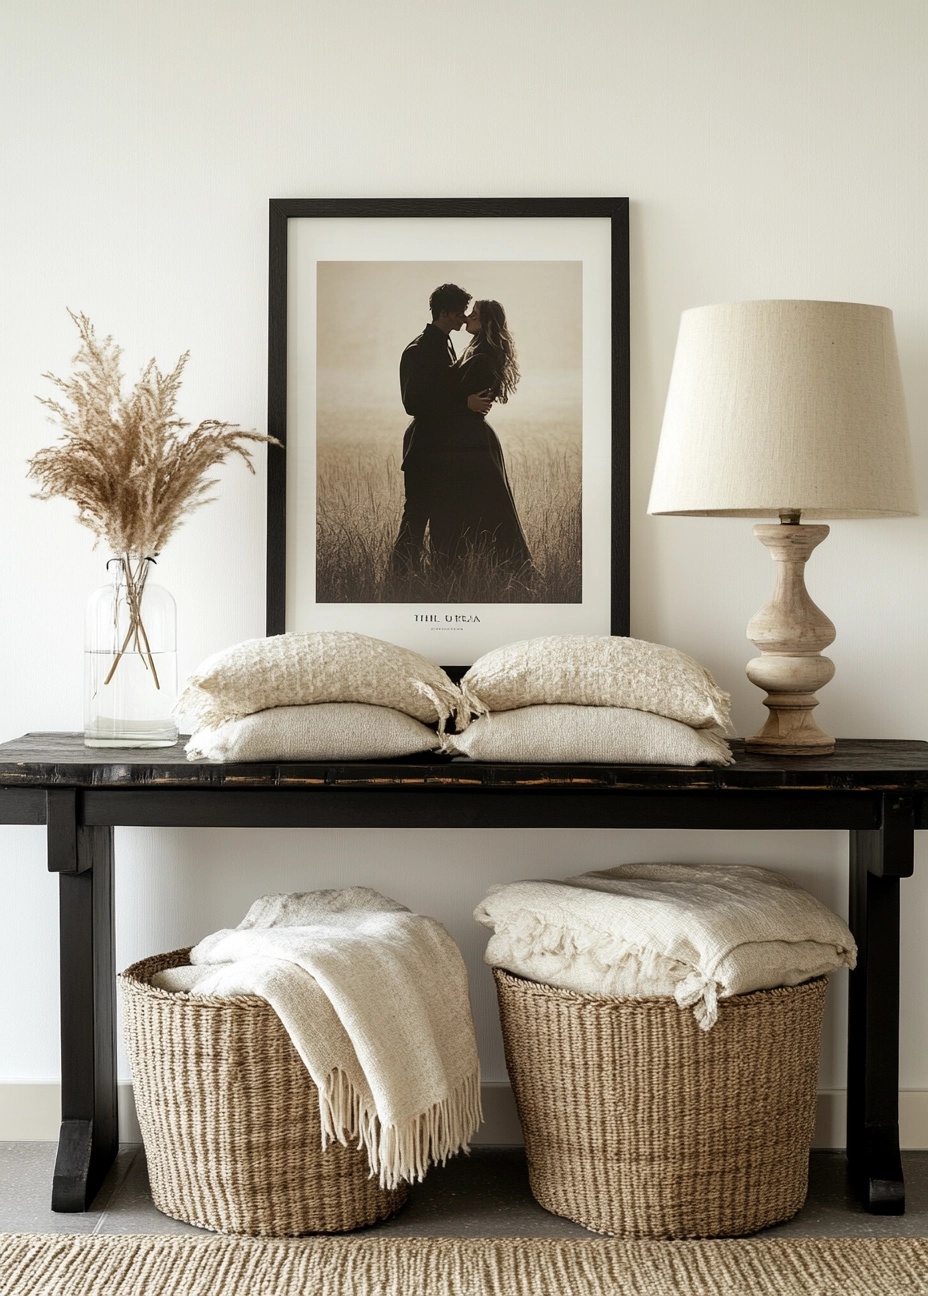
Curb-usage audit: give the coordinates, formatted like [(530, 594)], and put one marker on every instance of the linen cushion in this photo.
[(315, 666), (697, 932), (323, 731), (596, 670), (614, 735)]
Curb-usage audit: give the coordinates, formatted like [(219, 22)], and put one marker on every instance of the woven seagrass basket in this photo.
[(230, 1117), (637, 1123)]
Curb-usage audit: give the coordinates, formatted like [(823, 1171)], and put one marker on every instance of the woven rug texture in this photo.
[(159, 1265)]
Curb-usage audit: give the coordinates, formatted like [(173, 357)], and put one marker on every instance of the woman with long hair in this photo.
[(478, 520), (490, 337)]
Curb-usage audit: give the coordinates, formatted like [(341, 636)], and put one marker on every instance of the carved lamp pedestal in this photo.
[(791, 632)]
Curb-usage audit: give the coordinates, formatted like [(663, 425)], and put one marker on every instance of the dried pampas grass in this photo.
[(128, 462), (131, 466)]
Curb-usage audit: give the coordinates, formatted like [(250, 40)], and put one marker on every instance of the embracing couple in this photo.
[(456, 487)]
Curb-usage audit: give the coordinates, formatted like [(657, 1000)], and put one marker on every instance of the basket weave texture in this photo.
[(637, 1123), (230, 1117)]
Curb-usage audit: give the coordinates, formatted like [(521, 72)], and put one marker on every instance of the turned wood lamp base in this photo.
[(790, 632)]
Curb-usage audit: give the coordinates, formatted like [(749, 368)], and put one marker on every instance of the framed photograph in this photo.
[(450, 382)]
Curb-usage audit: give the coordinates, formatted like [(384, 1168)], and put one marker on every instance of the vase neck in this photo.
[(136, 566)]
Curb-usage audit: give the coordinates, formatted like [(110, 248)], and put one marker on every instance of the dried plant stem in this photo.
[(135, 589)]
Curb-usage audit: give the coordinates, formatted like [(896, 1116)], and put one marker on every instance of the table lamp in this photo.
[(789, 409)]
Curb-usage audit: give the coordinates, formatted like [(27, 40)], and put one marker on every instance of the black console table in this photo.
[(876, 791)]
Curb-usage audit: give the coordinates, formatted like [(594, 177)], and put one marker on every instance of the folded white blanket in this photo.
[(697, 932), (375, 1000)]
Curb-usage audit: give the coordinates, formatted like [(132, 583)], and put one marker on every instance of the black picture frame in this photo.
[(284, 211)]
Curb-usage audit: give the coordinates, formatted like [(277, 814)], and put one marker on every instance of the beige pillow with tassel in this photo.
[(587, 735), (596, 670), (315, 666), (321, 731)]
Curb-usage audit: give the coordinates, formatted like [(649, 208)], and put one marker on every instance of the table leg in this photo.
[(89, 1136), (879, 858)]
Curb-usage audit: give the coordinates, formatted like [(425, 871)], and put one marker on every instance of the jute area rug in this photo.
[(113, 1265)]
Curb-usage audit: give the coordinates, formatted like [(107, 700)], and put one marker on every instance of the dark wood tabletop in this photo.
[(61, 760)]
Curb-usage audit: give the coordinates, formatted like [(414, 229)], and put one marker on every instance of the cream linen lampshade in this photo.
[(782, 409)]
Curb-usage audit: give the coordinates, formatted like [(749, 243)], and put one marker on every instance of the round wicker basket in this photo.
[(230, 1117), (638, 1123)]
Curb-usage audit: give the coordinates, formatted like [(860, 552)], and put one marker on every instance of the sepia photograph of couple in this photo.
[(448, 432)]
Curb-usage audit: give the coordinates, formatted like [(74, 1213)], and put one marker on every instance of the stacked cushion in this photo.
[(323, 731), (596, 670), (592, 698), (587, 734), (315, 695)]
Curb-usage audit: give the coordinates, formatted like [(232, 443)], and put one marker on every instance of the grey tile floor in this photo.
[(485, 1194)]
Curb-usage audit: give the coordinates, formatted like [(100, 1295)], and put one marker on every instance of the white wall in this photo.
[(774, 148)]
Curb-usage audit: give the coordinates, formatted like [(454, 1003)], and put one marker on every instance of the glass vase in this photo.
[(130, 659)]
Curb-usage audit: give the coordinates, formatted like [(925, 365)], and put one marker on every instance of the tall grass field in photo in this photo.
[(359, 503)]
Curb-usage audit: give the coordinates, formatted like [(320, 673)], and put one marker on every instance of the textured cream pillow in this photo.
[(324, 731), (596, 670), (315, 666), (587, 734)]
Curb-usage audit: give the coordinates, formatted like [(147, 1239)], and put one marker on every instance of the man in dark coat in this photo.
[(431, 396)]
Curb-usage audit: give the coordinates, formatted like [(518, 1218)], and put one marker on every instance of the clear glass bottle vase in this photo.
[(130, 659)]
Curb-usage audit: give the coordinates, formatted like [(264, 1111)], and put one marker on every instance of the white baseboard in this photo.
[(832, 1114), (32, 1113)]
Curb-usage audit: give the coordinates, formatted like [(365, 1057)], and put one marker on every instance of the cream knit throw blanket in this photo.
[(697, 932), (375, 1000)]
